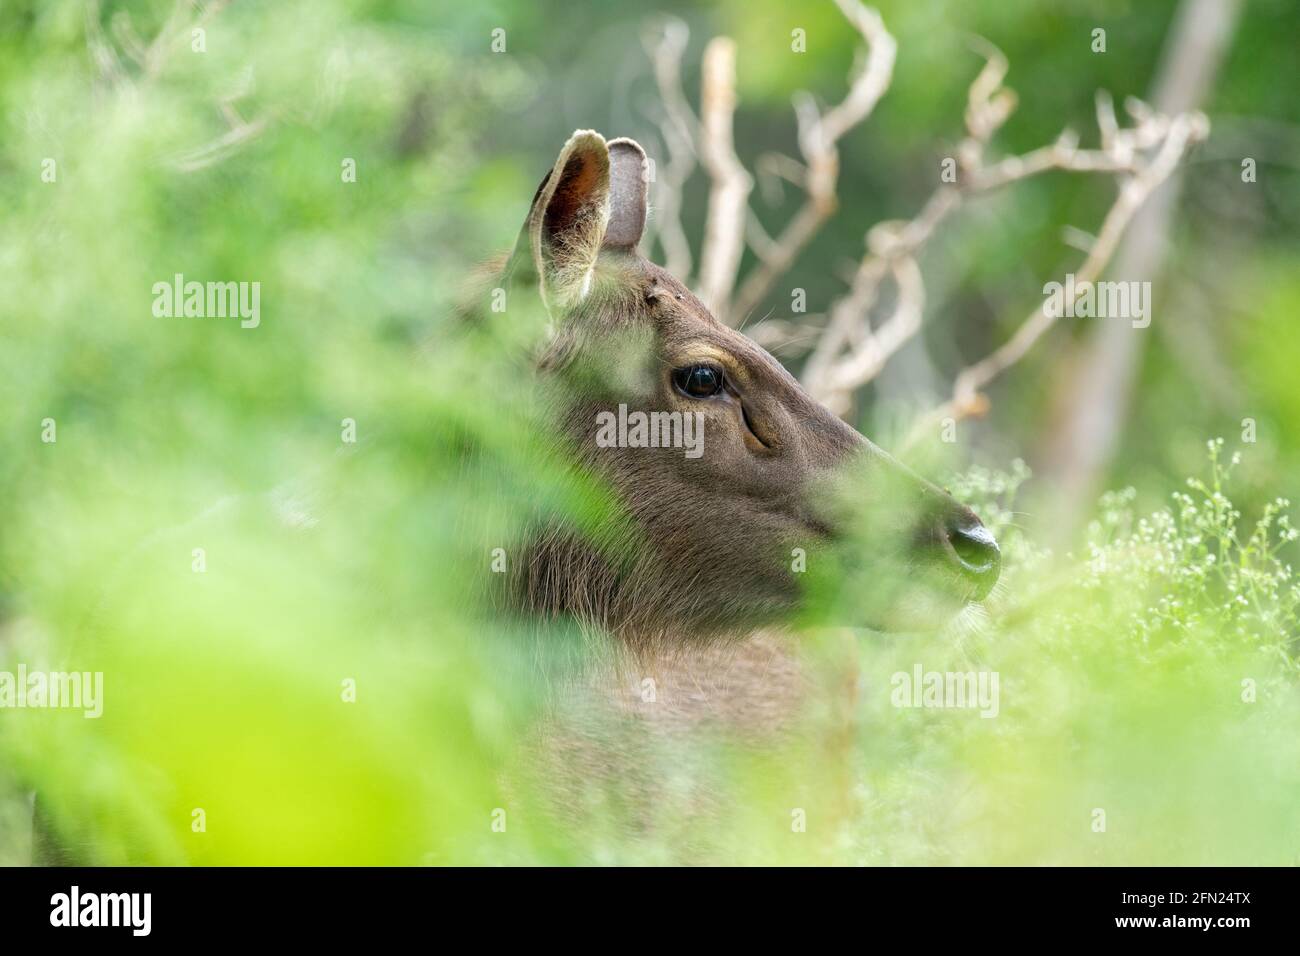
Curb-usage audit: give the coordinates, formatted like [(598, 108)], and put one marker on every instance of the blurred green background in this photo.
[(330, 561)]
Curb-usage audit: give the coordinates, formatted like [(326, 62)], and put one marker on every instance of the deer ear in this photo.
[(567, 222), (628, 173)]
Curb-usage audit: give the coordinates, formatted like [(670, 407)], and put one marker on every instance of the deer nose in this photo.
[(975, 553)]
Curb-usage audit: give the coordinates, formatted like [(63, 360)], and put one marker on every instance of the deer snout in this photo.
[(972, 551)]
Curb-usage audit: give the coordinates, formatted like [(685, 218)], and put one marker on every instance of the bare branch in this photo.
[(875, 349), (101, 51), (1060, 155), (724, 230), (160, 49), (1182, 132), (849, 354), (156, 55), (150, 61), (872, 82), (678, 128), (818, 136), (127, 39), (758, 238), (240, 130), (214, 152), (988, 103)]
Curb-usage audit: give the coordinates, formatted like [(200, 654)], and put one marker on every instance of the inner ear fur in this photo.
[(569, 216)]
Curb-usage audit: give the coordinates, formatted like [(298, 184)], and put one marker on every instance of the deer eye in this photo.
[(698, 381)]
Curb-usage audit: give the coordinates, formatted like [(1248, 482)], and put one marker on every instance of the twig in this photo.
[(239, 132), (678, 128), (724, 229), (156, 55), (101, 51), (151, 61), (161, 48), (849, 354), (127, 39), (1182, 131), (818, 136), (214, 152)]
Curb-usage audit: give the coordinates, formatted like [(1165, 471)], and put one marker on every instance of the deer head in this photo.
[(731, 476)]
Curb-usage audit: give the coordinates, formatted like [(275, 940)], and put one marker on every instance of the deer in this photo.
[(693, 593)]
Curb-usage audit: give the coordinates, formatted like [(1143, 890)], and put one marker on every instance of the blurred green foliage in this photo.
[(328, 562)]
